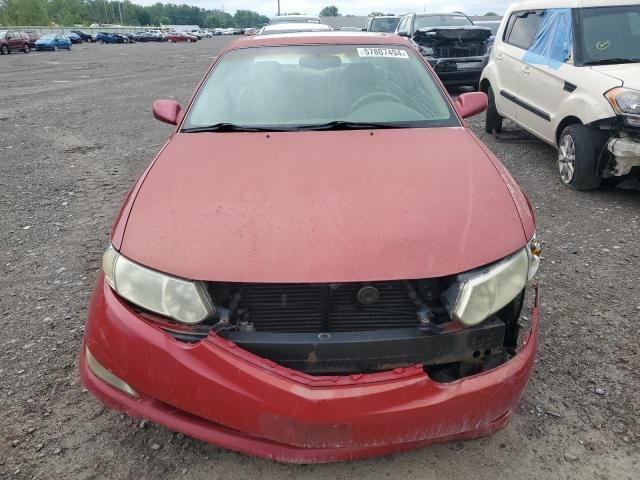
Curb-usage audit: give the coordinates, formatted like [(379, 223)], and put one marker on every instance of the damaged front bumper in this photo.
[(220, 393), (458, 71)]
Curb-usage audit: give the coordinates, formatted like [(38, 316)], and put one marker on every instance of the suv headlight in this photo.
[(480, 293), (625, 102), (176, 298)]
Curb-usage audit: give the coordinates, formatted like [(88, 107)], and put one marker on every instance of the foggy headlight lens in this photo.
[(182, 300), (624, 101), (483, 292)]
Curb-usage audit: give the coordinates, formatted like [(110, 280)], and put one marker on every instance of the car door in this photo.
[(508, 53), (542, 87), (14, 40)]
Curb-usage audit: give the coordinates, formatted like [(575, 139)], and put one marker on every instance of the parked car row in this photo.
[(25, 41)]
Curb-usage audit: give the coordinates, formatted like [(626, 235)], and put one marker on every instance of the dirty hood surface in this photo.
[(627, 73), (322, 207)]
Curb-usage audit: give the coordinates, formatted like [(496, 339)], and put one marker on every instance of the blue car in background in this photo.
[(75, 38), (53, 41), (105, 37)]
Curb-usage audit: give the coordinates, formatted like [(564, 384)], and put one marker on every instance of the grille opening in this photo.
[(330, 307)]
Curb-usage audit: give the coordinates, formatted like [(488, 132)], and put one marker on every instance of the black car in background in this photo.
[(86, 37), (147, 37), (457, 49), (387, 24)]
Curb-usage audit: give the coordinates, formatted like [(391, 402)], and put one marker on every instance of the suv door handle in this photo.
[(526, 69)]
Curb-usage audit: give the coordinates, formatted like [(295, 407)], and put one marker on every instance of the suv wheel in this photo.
[(577, 159), (4, 50), (493, 120), (26, 49)]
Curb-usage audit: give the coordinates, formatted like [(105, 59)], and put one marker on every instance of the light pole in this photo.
[(278, 7)]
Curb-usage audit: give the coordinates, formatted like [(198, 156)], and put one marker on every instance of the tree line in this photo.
[(87, 12)]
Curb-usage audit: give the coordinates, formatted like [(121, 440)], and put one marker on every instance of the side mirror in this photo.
[(470, 104), (404, 34), (166, 111)]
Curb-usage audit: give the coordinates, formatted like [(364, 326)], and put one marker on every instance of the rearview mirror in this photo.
[(166, 111), (470, 104)]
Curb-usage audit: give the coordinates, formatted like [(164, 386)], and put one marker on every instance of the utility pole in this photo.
[(278, 7)]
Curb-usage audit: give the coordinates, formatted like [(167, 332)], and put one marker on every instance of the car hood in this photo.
[(627, 73), (322, 207)]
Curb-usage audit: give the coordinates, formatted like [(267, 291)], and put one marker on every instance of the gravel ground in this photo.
[(75, 132)]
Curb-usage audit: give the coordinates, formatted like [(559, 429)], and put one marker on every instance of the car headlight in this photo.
[(176, 298), (480, 293), (625, 102)]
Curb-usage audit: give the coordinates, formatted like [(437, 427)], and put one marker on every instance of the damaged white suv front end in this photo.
[(570, 75)]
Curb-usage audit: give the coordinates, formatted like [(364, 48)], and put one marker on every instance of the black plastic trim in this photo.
[(371, 350), (536, 111)]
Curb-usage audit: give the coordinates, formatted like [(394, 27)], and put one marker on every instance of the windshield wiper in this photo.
[(613, 61), (232, 127), (345, 125)]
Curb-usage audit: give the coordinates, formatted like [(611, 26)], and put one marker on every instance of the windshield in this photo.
[(293, 19), (48, 36), (294, 87), (609, 34), (384, 24), (430, 21)]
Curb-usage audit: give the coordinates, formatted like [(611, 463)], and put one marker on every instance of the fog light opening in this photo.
[(106, 376)]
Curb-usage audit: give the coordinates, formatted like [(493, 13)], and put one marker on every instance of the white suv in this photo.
[(568, 71)]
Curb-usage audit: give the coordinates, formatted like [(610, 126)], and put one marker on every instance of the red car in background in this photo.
[(14, 41), (345, 280), (180, 37)]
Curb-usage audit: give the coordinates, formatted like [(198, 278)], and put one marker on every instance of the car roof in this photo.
[(336, 37), (456, 14), (297, 26), (543, 4), (386, 16), (295, 16)]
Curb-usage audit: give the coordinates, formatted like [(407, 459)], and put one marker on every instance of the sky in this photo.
[(353, 7)]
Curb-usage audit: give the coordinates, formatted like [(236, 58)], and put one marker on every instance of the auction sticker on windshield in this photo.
[(382, 52)]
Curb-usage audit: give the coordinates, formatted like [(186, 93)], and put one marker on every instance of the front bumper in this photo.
[(459, 70), (219, 393)]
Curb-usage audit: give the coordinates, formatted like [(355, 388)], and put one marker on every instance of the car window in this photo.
[(521, 28), (387, 25), (608, 33), (269, 87), (430, 21)]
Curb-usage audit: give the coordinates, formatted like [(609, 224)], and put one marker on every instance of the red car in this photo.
[(14, 41), (322, 263), (180, 37)]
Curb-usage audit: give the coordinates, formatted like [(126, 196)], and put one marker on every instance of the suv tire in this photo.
[(578, 159), (26, 49), (493, 120), (4, 50)]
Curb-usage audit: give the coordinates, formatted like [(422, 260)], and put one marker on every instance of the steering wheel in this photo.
[(371, 97)]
